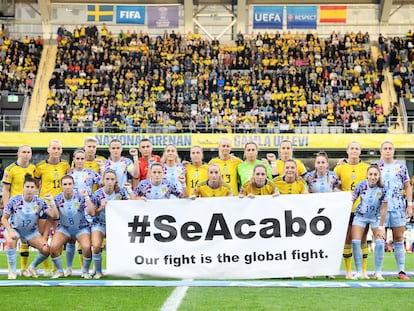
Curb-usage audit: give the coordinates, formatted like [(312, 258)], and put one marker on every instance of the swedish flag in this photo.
[(100, 13)]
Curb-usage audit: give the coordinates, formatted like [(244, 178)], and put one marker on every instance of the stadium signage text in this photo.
[(11, 140), (267, 17), (264, 237), (192, 231), (130, 14)]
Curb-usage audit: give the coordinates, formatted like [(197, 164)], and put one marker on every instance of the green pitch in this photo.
[(211, 298)]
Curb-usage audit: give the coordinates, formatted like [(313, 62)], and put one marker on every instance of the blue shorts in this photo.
[(363, 221), (99, 227), (73, 232), (25, 235), (395, 219)]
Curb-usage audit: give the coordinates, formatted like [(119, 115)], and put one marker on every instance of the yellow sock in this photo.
[(80, 255), (24, 255), (364, 248), (46, 266), (347, 254)]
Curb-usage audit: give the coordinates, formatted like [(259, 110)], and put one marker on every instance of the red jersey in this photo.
[(144, 166)]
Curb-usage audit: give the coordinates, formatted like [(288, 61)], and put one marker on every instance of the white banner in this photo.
[(228, 238)]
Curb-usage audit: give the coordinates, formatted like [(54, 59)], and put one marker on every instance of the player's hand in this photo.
[(128, 187), (271, 157), (181, 179), (133, 152), (103, 203), (49, 197), (341, 161), (83, 193), (99, 162), (13, 235)]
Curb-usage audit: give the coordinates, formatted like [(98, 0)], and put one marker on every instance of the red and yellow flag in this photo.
[(332, 14)]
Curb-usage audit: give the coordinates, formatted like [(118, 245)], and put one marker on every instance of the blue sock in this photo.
[(357, 254), (399, 255), (38, 260), (70, 254), (11, 258), (58, 263), (86, 264), (379, 254), (97, 261)]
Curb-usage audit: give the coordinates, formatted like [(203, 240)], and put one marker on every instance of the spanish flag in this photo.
[(100, 13), (332, 14)]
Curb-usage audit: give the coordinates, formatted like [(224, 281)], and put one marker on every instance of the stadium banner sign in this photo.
[(228, 238), (267, 17), (301, 17), (129, 14), (186, 140), (162, 16)]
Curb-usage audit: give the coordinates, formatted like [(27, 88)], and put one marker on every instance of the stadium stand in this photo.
[(274, 82)]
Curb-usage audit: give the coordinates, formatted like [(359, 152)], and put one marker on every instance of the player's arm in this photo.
[(53, 211), (409, 196), (184, 192), (6, 193), (133, 169)]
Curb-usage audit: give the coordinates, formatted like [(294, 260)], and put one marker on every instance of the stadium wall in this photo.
[(215, 18)]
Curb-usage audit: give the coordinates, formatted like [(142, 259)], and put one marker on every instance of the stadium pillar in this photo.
[(385, 10), (241, 16), (188, 15)]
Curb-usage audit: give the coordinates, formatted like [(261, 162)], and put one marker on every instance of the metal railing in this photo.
[(13, 123)]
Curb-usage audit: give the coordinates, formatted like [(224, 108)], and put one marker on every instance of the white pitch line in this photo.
[(174, 301)]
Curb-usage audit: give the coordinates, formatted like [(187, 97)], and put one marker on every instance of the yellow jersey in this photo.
[(205, 191), (50, 176), (14, 176), (195, 175), (268, 188), (350, 175), (297, 187), (228, 170), (92, 165), (281, 166)]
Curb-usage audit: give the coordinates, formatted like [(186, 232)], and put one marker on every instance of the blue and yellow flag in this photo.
[(100, 13)]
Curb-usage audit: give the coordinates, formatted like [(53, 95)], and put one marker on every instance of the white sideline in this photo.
[(174, 300)]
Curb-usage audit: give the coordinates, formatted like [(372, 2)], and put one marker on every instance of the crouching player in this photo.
[(20, 219), (72, 225)]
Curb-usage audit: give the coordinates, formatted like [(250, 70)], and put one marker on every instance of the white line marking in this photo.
[(174, 301)]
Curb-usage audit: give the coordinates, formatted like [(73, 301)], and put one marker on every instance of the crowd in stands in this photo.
[(264, 82), (399, 55), (19, 62)]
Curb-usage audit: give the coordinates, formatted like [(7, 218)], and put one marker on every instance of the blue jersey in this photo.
[(85, 179), (120, 168), (171, 174), (371, 199), (100, 195), (325, 183), (72, 211), (24, 215), (395, 175), (154, 192)]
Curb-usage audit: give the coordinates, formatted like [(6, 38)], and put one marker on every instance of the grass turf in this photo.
[(210, 298)]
